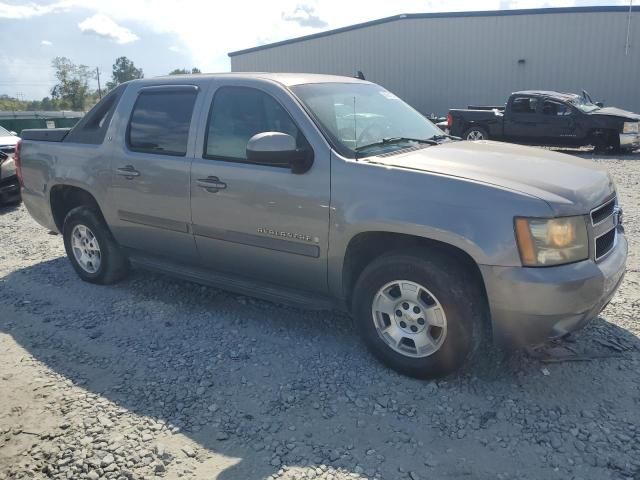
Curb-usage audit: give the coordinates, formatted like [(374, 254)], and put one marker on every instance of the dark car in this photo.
[(549, 118), (9, 186)]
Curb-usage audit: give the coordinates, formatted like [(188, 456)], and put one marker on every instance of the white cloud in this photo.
[(101, 25), (29, 10), (46, 42), (305, 16), (222, 27)]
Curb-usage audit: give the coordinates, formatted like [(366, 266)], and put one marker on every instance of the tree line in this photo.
[(73, 90)]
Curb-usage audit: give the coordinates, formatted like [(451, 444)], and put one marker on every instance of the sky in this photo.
[(161, 35)]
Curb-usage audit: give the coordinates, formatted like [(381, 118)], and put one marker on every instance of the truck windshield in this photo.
[(4, 132), (361, 116), (583, 105)]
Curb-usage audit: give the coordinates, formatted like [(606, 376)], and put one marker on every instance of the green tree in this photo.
[(184, 71), (123, 71), (10, 103), (72, 89)]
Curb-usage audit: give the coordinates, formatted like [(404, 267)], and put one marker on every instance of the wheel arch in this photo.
[(364, 247), (64, 197)]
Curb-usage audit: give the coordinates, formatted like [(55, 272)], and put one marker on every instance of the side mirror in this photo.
[(599, 104), (15, 134), (279, 150)]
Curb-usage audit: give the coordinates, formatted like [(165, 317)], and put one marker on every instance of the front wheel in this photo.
[(475, 133), (420, 316), (92, 250)]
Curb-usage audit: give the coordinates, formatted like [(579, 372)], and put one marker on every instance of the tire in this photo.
[(475, 133), (456, 294), (607, 143), (108, 263)]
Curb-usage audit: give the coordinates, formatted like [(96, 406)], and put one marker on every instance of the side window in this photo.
[(93, 127), (237, 114), (524, 105), (160, 121), (555, 109)]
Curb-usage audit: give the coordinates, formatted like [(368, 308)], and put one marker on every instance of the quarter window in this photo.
[(160, 121), (239, 113)]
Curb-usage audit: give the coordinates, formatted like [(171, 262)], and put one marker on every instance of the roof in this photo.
[(286, 79), (548, 93), (410, 16)]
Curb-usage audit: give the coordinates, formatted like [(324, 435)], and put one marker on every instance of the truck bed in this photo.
[(45, 134)]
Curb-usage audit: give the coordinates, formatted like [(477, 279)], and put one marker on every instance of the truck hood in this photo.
[(616, 112), (570, 185)]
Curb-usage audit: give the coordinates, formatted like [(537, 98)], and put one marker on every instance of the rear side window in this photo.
[(524, 105), (160, 121), (237, 114), (92, 128)]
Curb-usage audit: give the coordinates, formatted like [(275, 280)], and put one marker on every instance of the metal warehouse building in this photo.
[(437, 61)]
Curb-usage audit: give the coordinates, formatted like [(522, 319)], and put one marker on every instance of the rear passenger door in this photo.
[(260, 222), (523, 122), (559, 123), (150, 173)]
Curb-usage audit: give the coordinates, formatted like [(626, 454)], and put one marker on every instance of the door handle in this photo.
[(128, 172), (211, 184)]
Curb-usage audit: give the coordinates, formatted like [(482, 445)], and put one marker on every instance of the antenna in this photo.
[(98, 76), (355, 129)]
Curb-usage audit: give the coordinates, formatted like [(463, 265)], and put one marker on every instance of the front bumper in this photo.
[(629, 141), (532, 305)]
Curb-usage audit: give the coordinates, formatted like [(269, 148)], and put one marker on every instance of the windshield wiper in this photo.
[(444, 136), (392, 140)]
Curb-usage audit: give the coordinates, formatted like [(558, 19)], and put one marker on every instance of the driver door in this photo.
[(259, 222)]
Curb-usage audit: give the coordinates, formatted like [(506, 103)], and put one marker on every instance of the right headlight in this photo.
[(544, 242), (630, 127)]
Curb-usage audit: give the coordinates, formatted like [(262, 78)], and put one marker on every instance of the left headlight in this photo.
[(630, 127), (544, 242)]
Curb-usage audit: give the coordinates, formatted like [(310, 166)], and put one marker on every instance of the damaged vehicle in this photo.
[(551, 119), (9, 185)]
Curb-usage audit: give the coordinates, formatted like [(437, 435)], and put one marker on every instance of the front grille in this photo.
[(604, 243), (603, 212)]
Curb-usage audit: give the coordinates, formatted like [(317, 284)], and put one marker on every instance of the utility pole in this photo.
[(98, 76)]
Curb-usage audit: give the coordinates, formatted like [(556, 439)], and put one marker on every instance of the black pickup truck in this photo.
[(549, 118)]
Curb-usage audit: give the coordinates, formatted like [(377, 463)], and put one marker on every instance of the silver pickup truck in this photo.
[(330, 192)]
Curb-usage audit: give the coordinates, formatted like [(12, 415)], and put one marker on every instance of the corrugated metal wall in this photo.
[(441, 63)]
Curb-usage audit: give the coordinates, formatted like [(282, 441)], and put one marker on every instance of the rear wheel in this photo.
[(420, 316), (475, 133), (92, 250)]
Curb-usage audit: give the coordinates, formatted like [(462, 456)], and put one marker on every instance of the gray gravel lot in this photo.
[(156, 377)]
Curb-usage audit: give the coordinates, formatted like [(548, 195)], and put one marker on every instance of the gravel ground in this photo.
[(156, 377)]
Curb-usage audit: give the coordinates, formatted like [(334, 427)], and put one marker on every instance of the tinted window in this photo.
[(160, 121), (524, 105), (92, 128), (237, 114)]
